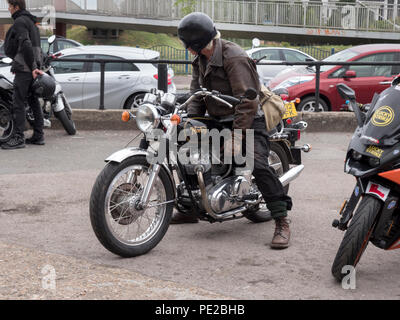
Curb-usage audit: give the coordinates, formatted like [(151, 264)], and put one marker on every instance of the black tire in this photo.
[(280, 152), (357, 237), (7, 125), (136, 98), (308, 105), (98, 210), (66, 122), (260, 213)]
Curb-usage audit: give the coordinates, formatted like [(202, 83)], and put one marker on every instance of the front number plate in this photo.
[(291, 111), (378, 191)]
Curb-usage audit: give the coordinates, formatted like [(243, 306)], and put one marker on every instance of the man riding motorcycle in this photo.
[(225, 67)]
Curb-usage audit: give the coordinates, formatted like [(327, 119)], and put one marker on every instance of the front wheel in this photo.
[(119, 225), (357, 237), (66, 122)]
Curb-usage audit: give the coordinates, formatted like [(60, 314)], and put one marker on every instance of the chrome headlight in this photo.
[(147, 118)]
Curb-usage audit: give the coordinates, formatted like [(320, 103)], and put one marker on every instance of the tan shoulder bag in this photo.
[(273, 107)]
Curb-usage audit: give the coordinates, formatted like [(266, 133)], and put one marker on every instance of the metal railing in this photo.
[(162, 66), (317, 53), (360, 16), (171, 53), (163, 71), (348, 16)]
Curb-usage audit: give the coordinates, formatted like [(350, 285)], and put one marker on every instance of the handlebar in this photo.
[(227, 100)]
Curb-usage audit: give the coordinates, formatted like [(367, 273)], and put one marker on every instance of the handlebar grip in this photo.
[(232, 100)]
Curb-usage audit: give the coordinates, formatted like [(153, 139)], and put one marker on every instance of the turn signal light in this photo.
[(126, 116), (176, 120), (298, 100)]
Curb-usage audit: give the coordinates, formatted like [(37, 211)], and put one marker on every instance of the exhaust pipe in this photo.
[(291, 175)]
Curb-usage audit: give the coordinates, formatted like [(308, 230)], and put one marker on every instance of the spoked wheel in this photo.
[(279, 162), (6, 124), (119, 224)]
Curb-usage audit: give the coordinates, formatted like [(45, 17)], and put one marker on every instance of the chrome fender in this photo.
[(121, 155)]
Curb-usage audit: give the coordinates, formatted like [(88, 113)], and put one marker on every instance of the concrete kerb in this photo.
[(111, 120)]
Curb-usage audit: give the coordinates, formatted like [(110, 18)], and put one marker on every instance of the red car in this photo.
[(364, 80)]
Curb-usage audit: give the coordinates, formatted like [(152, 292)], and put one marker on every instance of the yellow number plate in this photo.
[(291, 111)]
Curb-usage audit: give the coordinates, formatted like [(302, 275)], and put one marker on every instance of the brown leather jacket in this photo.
[(231, 72)]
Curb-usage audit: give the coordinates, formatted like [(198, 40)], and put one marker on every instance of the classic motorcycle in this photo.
[(133, 198), (372, 214), (57, 105)]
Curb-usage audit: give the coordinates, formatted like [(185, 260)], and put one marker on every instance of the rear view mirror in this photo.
[(7, 60), (350, 74), (51, 39), (346, 92)]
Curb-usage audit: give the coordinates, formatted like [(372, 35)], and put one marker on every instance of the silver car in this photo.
[(124, 82), (274, 54)]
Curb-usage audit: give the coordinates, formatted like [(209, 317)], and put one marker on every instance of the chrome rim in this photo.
[(276, 163), (127, 224), (310, 107)]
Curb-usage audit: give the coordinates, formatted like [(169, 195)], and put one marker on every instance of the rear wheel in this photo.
[(357, 237), (7, 125), (278, 161)]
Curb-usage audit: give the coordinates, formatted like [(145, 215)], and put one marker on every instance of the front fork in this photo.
[(347, 211), (144, 200)]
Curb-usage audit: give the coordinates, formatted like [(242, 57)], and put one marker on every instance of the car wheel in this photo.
[(134, 100), (309, 105)]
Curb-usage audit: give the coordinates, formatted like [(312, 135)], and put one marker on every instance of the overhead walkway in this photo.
[(292, 21)]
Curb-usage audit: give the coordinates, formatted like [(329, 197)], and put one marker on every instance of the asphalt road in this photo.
[(44, 195)]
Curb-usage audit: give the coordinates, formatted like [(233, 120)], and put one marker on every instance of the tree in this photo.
[(188, 6)]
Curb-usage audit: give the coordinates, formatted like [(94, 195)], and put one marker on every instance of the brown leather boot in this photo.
[(281, 238)]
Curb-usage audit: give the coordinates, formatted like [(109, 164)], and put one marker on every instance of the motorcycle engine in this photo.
[(228, 195)]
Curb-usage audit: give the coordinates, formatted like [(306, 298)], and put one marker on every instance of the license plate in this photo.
[(291, 111), (378, 191)]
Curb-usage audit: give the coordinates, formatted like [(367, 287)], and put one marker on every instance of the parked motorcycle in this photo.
[(133, 198), (57, 105), (372, 213)]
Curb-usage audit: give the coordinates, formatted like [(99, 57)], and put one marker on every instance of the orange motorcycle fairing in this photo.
[(393, 175)]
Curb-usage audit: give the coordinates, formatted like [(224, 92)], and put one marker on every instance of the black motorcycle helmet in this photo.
[(44, 86), (196, 31)]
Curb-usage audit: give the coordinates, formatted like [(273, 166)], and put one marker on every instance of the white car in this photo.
[(124, 81), (275, 54)]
